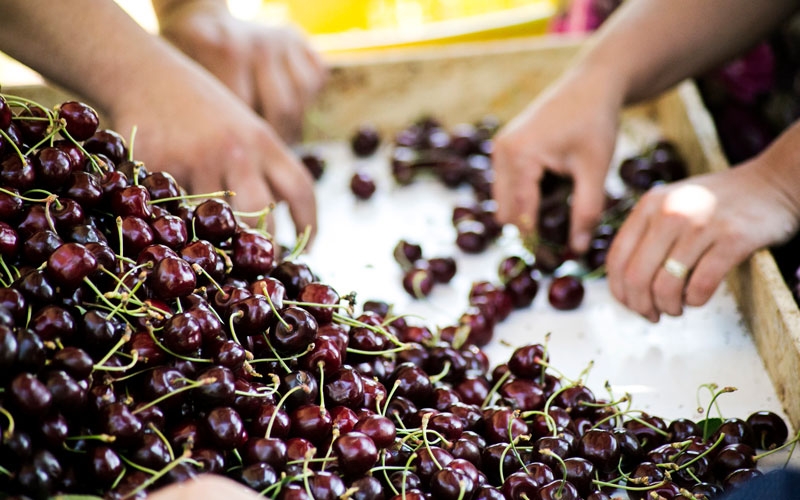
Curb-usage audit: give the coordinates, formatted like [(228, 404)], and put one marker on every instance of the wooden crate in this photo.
[(462, 83)]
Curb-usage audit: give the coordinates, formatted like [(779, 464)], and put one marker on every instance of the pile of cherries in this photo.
[(148, 336), (462, 156)]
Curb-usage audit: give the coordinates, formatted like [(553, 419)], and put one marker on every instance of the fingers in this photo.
[(669, 288), (205, 486), (277, 100), (587, 203), (516, 187), (291, 182)]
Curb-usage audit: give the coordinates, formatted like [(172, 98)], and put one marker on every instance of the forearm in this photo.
[(647, 46), (92, 48)]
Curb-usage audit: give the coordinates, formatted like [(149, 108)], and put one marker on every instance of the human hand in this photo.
[(709, 224), (193, 127), (205, 486), (571, 130), (272, 68)]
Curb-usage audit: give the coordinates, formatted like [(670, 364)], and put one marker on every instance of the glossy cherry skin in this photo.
[(253, 253), (365, 141), (769, 429), (225, 428), (362, 185), (214, 221), (81, 121), (322, 294), (294, 276), (565, 293), (109, 143), (356, 453), (171, 278)]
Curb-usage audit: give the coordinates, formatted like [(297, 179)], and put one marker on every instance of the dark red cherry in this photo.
[(30, 395), (362, 184), (70, 264), (471, 236), (5, 113), (565, 293), (600, 447), (204, 254), (314, 163), (253, 253), (40, 246), (109, 143), (214, 221), (407, 253), (17, 173), (443, 269), (294, 276), (418, 281), (770, 430), (131, 201), (80, 119), (312, 422), (525, 361), (172, 278), (559, 490), (52, 167), (33, 123), (225, 428), (356, 453), (322, 294), (365, 141), (297, 330)]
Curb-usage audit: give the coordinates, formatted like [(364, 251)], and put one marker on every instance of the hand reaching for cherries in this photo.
[(571, 131), (708, 225), (271, 68)]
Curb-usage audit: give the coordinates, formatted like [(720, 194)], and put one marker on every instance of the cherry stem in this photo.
[(389, 397), (122, 341), (280, 404), (494, 389), (321, 368), (345, 320), (551, 422), (9, 140), (191, 385), (787, 444), (265, 360), (158, 475), (277, 356), (445, 370), (274, 309), (408, 466), (10, 430), (386, 474), (25, 198), (513, 440), (301, 244), (106, 438), (134, 360), (185, 197), (171, 353), (714, 397), (425, 419), (237, 314), (163, 439), (131, 142)]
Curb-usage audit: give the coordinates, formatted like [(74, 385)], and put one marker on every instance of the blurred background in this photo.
[(353, 25)]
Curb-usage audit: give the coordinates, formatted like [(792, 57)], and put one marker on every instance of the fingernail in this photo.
[(581, 241)]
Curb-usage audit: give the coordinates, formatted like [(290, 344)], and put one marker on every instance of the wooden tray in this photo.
[(461, 83)]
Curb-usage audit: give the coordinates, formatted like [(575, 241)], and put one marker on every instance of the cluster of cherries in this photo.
[(148, 336), (462, 156)]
